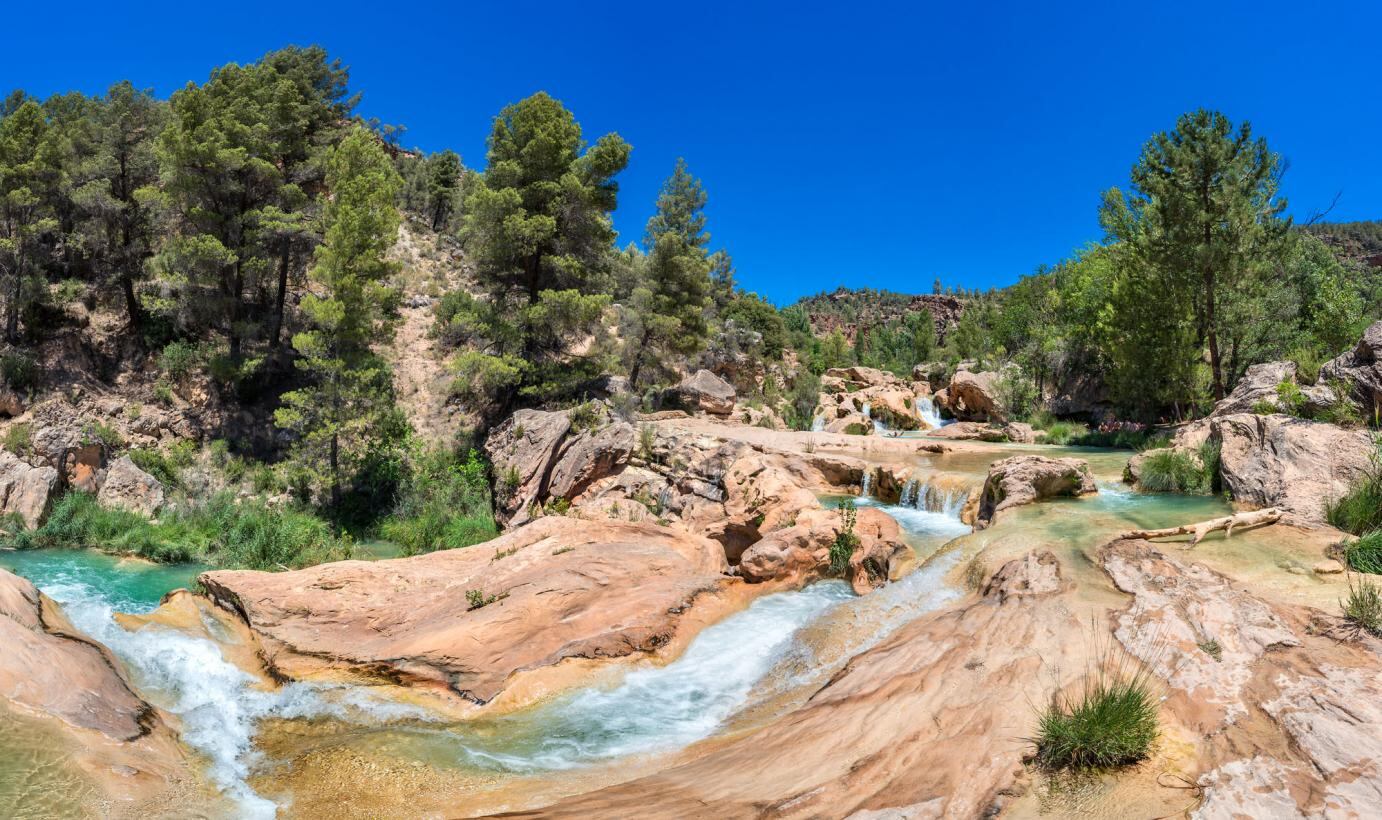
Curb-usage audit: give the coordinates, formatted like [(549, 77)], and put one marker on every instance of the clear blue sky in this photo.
[(842, 144)]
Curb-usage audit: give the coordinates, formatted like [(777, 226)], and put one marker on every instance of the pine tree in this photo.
[(1205, 210), (443, 181), (115, 181), (22, 219), (537, 225), (347, 412), (670, 303)]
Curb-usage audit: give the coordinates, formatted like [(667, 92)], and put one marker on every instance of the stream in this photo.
[(740, 672)]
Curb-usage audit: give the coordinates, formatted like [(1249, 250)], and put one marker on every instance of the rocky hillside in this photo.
[(1352, 241), (848, 310)]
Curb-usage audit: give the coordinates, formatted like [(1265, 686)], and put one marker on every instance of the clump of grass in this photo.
[(1363, 607), (1360, 510), (477, 599), (846, 541), (1211, 647), (1290, 398), (1172, 471), (1365, 554), (647, 440), (18, 439), (1111, 722), (1063, 432), (156, 464)]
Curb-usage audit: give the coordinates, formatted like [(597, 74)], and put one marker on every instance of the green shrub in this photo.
[(163, 393), (1290, 398), (1121, 439), (1360, 510), (179, 359), (181, 453), (1172, 471), (221, 532), (105, 434), (1063, 432), (443, 503), (1342, 412), (846, 541), (1265, 407), (157, 465), (1365, 554), (19, 370), (1111, 722), (586, 416), (647, 440), (17, 438), (1363, 607)]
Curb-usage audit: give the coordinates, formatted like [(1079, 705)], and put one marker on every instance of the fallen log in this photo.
[(1256, 518)]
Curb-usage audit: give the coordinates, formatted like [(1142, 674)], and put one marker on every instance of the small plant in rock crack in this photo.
[(842, 548), (478, 599), (1363, 607), (1109, 721), (1211, 647)]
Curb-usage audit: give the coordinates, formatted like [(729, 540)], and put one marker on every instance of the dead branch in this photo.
[(1256, 518)]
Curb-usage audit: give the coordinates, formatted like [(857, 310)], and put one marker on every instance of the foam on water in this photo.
[(660, 708), (214, 700), (926, 408)]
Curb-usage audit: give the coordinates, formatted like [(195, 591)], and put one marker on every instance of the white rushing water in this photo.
[(214, 700), (662, 708), (926, 408), (818, 423)]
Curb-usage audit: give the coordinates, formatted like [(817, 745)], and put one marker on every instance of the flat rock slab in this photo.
[(557, 588)]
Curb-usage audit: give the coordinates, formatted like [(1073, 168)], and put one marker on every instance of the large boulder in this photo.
[(459, 624), (1360, 370), (127, 487), (1297, 465), (26, 489), (1021, 480), (49, 667), (1258, 384), (522, 449), (800, 552), (974, 396), (703, 391)]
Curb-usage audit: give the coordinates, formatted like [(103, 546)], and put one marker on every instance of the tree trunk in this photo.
[(638, 363), (132, 308), (335, 473), (233, 331), (276, 326)]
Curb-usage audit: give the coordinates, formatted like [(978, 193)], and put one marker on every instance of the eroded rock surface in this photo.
[(557, 588), (1021, 480), (909, 728), (1280, 461), (129, 488), (704, 391), (1360, 370), (25, 489), (974, 396)]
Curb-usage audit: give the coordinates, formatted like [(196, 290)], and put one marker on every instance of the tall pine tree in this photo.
[(347, 411), (670, 304)]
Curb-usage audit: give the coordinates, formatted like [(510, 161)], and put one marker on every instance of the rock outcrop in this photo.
[(25, 489), (703, 391), (849, 394), (1260, 386), (129, 488), (1280, 461), (51, 668), (1291, 719), (974, 396), (906, 729), (801, 552), (1021, 480), (460, 624), (1360, 370)]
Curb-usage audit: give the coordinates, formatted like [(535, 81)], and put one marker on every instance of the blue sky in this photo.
[(854, 144)]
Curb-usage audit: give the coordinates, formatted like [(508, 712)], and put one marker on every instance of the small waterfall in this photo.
[(866, 485), (908, 498), (818, 423), (878, 426), (926, 408)]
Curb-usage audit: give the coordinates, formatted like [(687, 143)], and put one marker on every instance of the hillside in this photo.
[(848, 309), (1352, 241)]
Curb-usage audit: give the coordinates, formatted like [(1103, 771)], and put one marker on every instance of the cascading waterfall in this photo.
[(818, 424), (866, 485), (215, 701), (879, 427), (926, 408)]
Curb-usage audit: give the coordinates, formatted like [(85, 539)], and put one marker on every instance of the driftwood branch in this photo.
[(1256, 518)]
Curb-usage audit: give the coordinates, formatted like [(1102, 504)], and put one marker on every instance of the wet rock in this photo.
[(908, 728), (26, 489), (127, 487), (50, 667), (460, 623), (1021, 480)]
